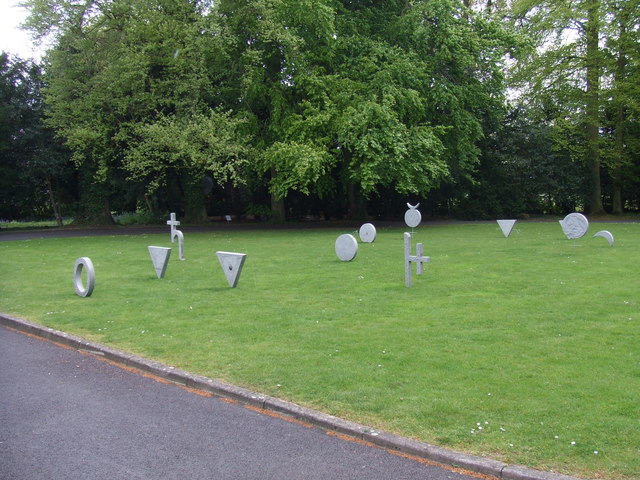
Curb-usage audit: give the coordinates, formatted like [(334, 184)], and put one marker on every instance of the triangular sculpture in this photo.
[(506, 226), (231, 264), (160, 258)]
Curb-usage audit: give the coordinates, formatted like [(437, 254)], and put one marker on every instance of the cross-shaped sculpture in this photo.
[(173, 223), (418, 259)]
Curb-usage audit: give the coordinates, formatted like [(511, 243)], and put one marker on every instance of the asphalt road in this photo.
[(70, 415)]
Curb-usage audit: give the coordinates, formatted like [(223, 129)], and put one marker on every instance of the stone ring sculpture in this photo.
[(87, 264)]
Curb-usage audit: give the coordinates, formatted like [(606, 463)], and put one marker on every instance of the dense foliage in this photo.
[(583, 78), (35, 179), (328, 108)]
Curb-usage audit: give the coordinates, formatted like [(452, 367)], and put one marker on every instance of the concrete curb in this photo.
[(328, 422)]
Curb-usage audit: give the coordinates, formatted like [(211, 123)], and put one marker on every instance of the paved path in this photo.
[(70, 415)]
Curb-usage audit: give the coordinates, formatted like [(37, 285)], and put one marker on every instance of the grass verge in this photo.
[(525, 349)]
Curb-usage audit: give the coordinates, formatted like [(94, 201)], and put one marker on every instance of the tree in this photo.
[(623, 92), (267, 46), (449, 82), (81, 96), (313, 98), (197, 146), (522, 172), (34, 166), (122, 71), (354, 97), (581, 55)]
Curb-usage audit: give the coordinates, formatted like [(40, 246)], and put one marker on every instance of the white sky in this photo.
[(12, 39)]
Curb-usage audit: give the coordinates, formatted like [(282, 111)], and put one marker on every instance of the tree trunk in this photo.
[(618, 177), (52, 199), (195, 212), (357, 206), (594, 197), (106, 211), (149, 204), (592, 160), (278, 211), (621, 66), (618, 201)]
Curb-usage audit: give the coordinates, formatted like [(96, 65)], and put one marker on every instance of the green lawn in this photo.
[(534, 338)]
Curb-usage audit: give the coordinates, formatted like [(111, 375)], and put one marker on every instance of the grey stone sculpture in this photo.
[(418, 259), (412, 217), (605, 234), (346, 247), (367, 233), (160, 258), (175, 233), (178, 234), (506, 226), (86, 264), (173, 223), (574, 225), (231, 264)]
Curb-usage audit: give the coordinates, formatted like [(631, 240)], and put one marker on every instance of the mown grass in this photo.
[(534, 338)]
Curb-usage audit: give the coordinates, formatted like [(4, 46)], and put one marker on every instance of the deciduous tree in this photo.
[(579, 65), (34, 167)]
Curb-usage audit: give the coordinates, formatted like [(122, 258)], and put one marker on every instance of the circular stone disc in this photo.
[(412, 217), (575, 225), (367, 233), (346, 247)]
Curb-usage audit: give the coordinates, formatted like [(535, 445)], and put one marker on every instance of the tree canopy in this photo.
[(330, 106), (583, 76), (34, 170)]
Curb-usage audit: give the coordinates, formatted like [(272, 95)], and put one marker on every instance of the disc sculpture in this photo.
[(574, 225), (346, 247), (367, 233)]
